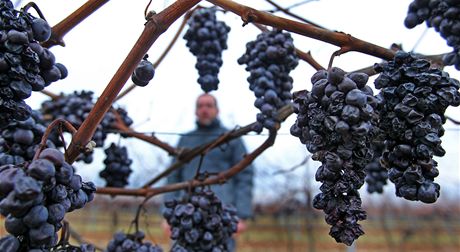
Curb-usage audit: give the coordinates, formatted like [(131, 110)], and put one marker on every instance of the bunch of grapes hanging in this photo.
[(200, 222), (117, 166), (444, 17), (334, 121), (25, 66), (35, 197), (20, 139), (206, 39), (122, 242), (415, 98), (269, 60), (75, 108)]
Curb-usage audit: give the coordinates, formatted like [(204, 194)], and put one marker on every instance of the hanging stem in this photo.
[(53, 124), (147, 8), (197, 173), (138, 213), (153, 29), (35, 7)]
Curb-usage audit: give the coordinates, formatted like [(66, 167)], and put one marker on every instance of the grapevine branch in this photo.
[(309, 59), (165, 52), (218, 179), (339, 39), (187, 155), (62, 28), (306, 56), (152, 30)]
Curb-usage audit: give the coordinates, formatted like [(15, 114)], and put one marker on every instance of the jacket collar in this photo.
[(215, 124)]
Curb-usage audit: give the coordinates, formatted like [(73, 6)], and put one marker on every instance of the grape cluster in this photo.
[(415, 98), (122, 242), (334, 121), (269, 60), (75, 108), (35, 198), (20, 139), (444, 16), (70, 248), (143, 73), (9, 243), (117, 166), (206, 39), (25, 66), (200, 222), (376, 173)]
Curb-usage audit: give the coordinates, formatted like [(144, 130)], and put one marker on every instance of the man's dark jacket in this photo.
[(237, 191)]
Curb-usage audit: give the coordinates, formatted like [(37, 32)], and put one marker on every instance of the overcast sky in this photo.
[(95, 49)]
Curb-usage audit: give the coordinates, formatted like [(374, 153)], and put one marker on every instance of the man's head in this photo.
[(206, 109)]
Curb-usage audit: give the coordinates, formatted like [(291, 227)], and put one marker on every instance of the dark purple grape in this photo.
[(36, 216), (41, 29), (143, 73), (9, 243)]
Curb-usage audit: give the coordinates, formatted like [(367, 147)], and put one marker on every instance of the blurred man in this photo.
[(237, 191)]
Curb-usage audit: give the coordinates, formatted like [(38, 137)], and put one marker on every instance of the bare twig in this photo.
[(295, 167), (156, 26), (62, 28), (299, 4), (289, 13)]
